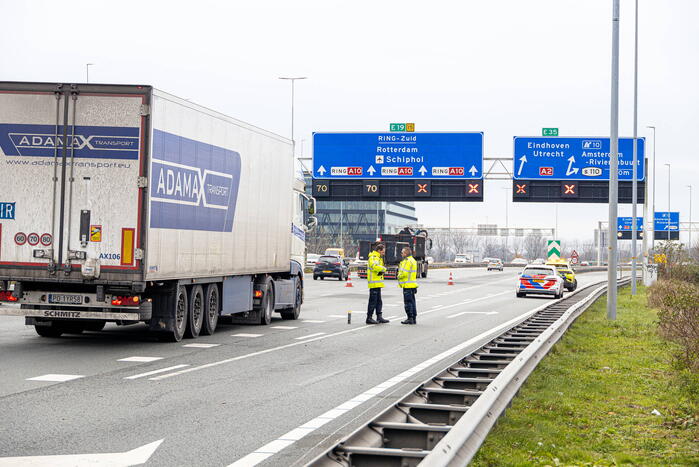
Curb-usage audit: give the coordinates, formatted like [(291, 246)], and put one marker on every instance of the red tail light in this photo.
[(258, 293), (6, 296), (126, 301), (336, 264)]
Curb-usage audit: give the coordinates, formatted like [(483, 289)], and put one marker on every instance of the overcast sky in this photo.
[(506, 67)]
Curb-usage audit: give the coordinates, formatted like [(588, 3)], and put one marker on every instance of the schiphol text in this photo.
[(404, 160)]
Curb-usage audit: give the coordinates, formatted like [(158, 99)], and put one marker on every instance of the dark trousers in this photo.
[(409, 302), (375, 303)]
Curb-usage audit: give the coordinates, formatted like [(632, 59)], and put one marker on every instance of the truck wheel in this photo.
[(196, 311), (212, 308), (295, 311), (267, 306), (48, 331), (179, 310)]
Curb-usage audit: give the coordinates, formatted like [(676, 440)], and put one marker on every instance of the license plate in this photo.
[(327, 272), (65, 299)]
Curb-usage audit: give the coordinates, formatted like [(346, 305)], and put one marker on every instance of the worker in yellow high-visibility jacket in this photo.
[(374, 275), (407, 280)]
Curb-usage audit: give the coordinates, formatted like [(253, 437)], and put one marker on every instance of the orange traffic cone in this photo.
[(451, 279), (349, 279)]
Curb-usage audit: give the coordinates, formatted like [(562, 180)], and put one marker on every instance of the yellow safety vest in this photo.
[(375, 270), (407, 273)]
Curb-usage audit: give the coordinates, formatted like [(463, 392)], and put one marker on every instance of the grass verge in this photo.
[(591, 401)]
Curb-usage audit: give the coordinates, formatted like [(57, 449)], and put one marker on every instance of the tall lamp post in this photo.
[(87, 72), (634, 195), (293, 80), (690, 219), (668, 201), (652, 215), (613, 167)]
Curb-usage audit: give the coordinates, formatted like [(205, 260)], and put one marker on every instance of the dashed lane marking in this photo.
[(254, 354), (55, 378), (200, 346), (139, 359), (155, 372), (284, 327), (473, 313), (244, 334), (313, 321), (309, 336)]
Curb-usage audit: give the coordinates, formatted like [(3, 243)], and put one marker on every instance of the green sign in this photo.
[(402, 127), (553, 249), (549, 132)]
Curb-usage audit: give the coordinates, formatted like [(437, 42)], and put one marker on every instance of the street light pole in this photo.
[(293, 80), (87, 72), (652, 245), (634, 183), (668, 202), (690, 219), (613, 167)]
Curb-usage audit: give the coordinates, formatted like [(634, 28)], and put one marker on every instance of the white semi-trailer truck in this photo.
[(127, 204)]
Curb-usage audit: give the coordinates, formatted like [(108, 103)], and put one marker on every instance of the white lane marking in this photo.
[(473, 313), (390, 304), (139, 359), (391, 317), (284, 327), (462, 303), (136, 456), (272, 448), (201, 346), (312, 321), (254, 354), (155, 372), (56, 378), (244, 334), (338, 316), (309, 336)]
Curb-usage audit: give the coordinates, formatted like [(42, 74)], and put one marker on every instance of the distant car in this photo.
[(540, 279), (495, 265), (520, 261), (331, 266), (462, 258), (487, 260), (585, 263), (539, 261), (311, 259), (340, 252), (429, 260)]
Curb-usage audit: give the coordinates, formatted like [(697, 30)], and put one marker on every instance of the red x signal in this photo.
[(422, 188), (474, 188), (521, 189), (569, 189)]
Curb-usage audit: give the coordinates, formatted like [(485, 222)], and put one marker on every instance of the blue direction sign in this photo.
[(665, 221), (398, 155), (563, 158), (625, 223)]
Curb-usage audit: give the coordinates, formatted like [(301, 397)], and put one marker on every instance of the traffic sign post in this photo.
[(667, 225), (579, 158), (553, 250), (390, 156)]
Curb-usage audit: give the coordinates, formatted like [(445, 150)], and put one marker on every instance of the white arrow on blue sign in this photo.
[(579, 158), (625, 223), (398, 155)]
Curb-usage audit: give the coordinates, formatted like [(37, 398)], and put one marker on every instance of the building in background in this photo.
[(344, 223)]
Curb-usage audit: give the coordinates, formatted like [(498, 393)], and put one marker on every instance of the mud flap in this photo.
[(163, 318)]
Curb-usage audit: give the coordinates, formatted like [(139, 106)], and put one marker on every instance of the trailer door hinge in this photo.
[(138, 253), (142, 182), (145, 110)]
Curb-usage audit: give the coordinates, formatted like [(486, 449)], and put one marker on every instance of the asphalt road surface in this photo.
[(269, 395)]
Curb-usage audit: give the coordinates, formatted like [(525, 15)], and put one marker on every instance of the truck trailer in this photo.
[(126, 204)]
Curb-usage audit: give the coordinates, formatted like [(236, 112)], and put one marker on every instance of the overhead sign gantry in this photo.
[(418, 166), (573, 169)]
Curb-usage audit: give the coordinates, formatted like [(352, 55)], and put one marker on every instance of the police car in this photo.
[(566, 271), (540, 279)]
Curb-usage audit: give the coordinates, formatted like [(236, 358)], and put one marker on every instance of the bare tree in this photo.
[(535, 246)]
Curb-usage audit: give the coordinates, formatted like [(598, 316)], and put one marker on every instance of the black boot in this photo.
[(413, 319), (380, 319), (370, 320), (407, 321)]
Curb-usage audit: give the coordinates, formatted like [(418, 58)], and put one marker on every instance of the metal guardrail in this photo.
[(444, 421)]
